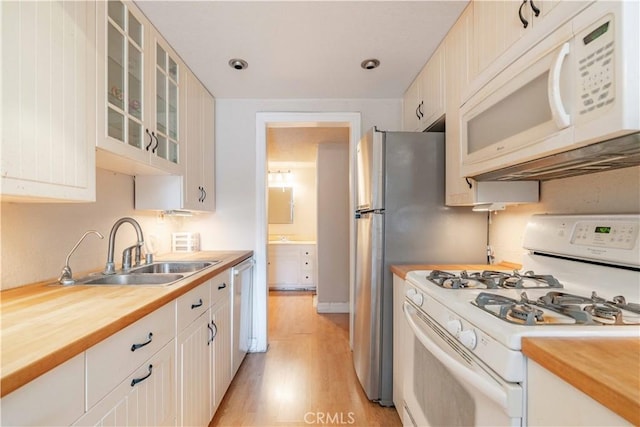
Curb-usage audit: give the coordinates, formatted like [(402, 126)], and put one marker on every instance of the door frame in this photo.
[(264, 121)]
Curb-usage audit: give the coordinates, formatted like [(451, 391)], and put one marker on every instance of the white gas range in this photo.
[(580, 277)]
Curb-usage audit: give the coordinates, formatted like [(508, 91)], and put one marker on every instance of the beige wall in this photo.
[(333, 227), (36, 237), (616, 191)]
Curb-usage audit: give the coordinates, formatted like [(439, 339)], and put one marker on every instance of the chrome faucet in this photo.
[(66, 277), (110, 268)]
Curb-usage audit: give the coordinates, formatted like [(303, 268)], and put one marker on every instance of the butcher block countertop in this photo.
[(402, 270), (45, 324), (606, 369)]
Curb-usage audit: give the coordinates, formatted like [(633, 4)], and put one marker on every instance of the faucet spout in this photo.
[(110, 267), (66, 277)]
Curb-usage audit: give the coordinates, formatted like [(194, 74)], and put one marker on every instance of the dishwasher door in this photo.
[(242, 305)]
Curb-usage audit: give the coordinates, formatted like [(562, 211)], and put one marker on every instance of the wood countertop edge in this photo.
[(27, 373), (595, 386), (401, 270)]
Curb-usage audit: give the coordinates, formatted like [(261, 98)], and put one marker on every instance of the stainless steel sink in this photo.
[(173, 267), (159, 273), (132, 279)]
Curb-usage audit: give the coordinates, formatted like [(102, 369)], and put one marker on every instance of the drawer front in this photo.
[(220, 287), (55, 398), (112, 360), (192, 304), (147, 397)]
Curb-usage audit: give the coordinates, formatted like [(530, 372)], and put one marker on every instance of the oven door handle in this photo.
[(460, 371)]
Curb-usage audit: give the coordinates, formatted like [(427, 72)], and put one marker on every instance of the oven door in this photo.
[(445, 384)]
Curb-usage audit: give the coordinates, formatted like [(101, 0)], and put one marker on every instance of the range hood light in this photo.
[(177, 212), (489, 207)]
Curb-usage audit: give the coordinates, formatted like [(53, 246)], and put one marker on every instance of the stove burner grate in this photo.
[(492, 280)]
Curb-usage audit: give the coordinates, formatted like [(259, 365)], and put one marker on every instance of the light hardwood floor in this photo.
[(305, 378)]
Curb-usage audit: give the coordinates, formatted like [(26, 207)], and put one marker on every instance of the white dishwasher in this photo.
[(242, 303)]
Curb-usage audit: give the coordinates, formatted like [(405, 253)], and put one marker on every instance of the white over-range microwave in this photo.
[(570, 105)]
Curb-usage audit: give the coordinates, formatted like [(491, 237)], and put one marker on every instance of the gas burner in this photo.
[(523, 312), (508, 309), (529, 279), (449, 280), (605, 311)]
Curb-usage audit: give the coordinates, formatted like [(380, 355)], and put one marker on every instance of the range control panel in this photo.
[(619, 235)]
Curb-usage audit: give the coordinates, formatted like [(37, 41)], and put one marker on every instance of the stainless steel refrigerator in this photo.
[(401, 219)]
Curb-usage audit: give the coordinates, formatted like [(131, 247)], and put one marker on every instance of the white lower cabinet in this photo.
[(551, 401), (194, 373), (292, 265), (55, 398), (172, 367), (204, 351), (144, 398), (399, 345), (220, 353)]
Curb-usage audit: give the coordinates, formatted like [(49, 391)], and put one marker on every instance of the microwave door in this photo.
[(525, 104)]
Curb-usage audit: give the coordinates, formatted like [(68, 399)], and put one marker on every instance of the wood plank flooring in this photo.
[(305, 378)]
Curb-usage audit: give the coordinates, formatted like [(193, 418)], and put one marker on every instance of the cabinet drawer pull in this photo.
[(210, 334), (139, 380), (137, 346), (224, 285), (199, 304)]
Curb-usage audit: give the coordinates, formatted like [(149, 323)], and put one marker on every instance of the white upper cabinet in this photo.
[(140, 94), (505, 29), (199, 185), (411, 107), (459, 66), (48, 108), (432, 88), (423, 102)]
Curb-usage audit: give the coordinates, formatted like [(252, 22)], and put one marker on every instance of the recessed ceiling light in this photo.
[(238, 64), (370, 64)]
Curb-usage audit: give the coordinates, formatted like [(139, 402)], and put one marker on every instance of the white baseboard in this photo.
[(333, 307)]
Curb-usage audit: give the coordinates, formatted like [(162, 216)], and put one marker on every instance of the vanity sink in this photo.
[(173, 267), (132, 279)]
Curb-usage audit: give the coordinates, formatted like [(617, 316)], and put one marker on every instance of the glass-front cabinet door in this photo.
[(140, 100), (167, 78)]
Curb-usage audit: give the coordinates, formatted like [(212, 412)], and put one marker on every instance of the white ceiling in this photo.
[(304, 49)]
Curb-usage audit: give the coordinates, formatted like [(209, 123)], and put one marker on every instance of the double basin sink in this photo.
[(158, 273)]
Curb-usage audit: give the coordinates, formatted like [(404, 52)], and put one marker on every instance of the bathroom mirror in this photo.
[(280, 205)]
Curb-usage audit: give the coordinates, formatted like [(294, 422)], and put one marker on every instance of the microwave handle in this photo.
[(560, 116)]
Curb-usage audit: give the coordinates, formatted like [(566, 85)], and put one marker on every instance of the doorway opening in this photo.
[(284, 125)]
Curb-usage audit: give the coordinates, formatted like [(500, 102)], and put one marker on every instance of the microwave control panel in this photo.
[(595, 50), (619, 235)]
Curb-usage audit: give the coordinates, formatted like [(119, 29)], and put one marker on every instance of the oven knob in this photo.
[(454, 327), (468, 339), (415, 296)]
